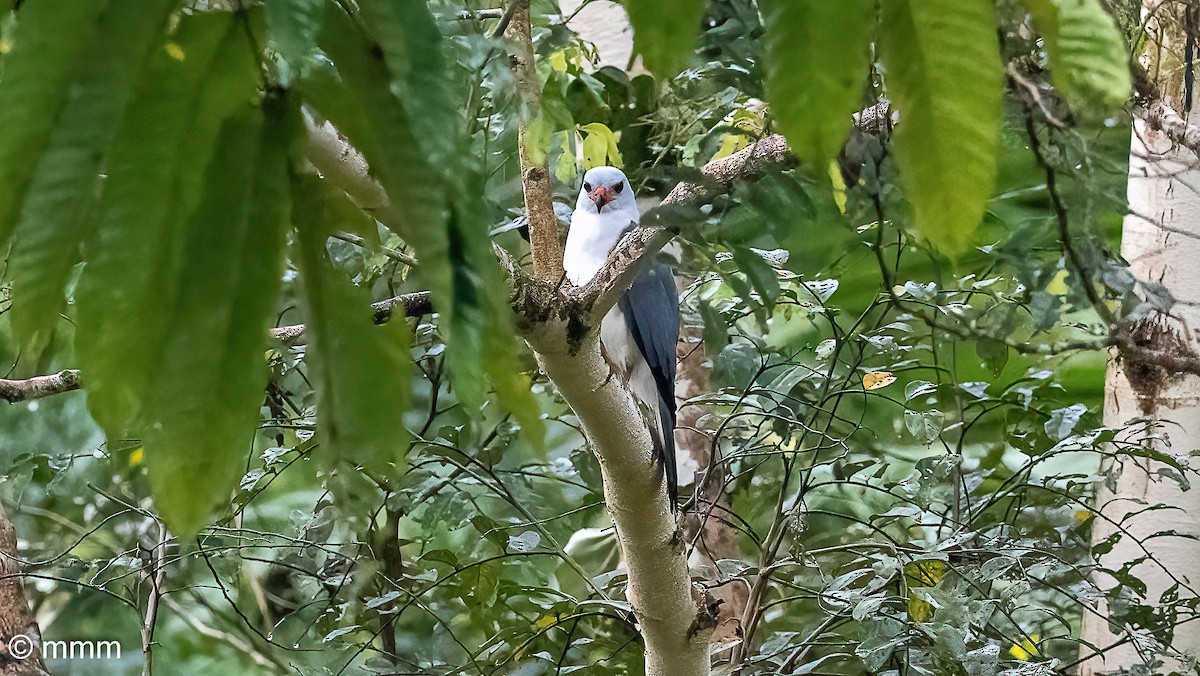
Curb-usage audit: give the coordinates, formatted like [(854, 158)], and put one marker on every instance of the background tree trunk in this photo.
[(1161, 241), (20, 638)]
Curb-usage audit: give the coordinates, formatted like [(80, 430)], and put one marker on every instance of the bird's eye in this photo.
[(587, 186), (618, 188)]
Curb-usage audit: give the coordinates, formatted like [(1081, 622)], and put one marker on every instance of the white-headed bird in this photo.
[(638, 335)]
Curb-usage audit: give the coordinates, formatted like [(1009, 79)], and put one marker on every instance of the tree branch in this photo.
[(13, 391), (1162, 117), (535, 170)]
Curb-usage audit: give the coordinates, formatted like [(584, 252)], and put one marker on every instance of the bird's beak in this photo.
[(600, 197)]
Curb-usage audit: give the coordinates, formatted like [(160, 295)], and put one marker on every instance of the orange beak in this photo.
[(600, 197)]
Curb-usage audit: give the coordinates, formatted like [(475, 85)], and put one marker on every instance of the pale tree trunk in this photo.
[(20, 639), (1161, 241), (708, 528)]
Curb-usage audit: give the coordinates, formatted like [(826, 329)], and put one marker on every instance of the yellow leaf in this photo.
[(558, 61), (1026, 649), (1058, 284), (599, 146), (730, 144), (545, 621), (138, 455), (878, 379), (839, 185), (1083, 514), (175, 51), (920, 575)]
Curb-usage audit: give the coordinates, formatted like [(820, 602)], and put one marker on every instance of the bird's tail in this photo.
[(666, 450)]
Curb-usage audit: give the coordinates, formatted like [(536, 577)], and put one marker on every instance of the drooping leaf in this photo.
[(202, 399), (48, 42), (46, 242), (665, 32), (1087, 54), (482, 324), (395, 110), (817, 59), (763, 278), (358, 99), (945, 77), (155, 171), (360, 370)]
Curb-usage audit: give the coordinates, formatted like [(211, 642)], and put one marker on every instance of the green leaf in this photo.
[(48, 42), (1087, 54), (484, 337), (396, 111), (358, 99), (716, 332), (155, 174), (46, 242), (945, 77), (360, 370), (818, 54), (762, 276), (925, 426), (665, 32), (292, 29), (202, 399)]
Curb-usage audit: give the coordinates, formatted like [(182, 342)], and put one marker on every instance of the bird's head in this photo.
[(605, 189)]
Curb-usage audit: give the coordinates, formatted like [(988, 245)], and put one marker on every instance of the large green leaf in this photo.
[(817, 58), (665, 32), (47, 43), (358, 99), (396, 110), (945, 77), (1088, 59), (46, 242), (155, 174), (360, 370), (202, 398)]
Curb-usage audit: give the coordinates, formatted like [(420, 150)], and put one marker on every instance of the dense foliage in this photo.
[(905, 331)]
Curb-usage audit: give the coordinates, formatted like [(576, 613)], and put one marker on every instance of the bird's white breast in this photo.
[(590, 239)]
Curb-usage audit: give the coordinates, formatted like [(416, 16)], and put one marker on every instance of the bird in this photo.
[(639, 334)]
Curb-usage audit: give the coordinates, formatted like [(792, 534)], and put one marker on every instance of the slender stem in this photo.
[(535, 170)]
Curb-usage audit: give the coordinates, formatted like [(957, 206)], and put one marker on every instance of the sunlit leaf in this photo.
[(945, 77), (1027, 649), (817, 61)]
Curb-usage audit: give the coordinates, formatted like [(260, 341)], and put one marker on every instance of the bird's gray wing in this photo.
[(651, 309)]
